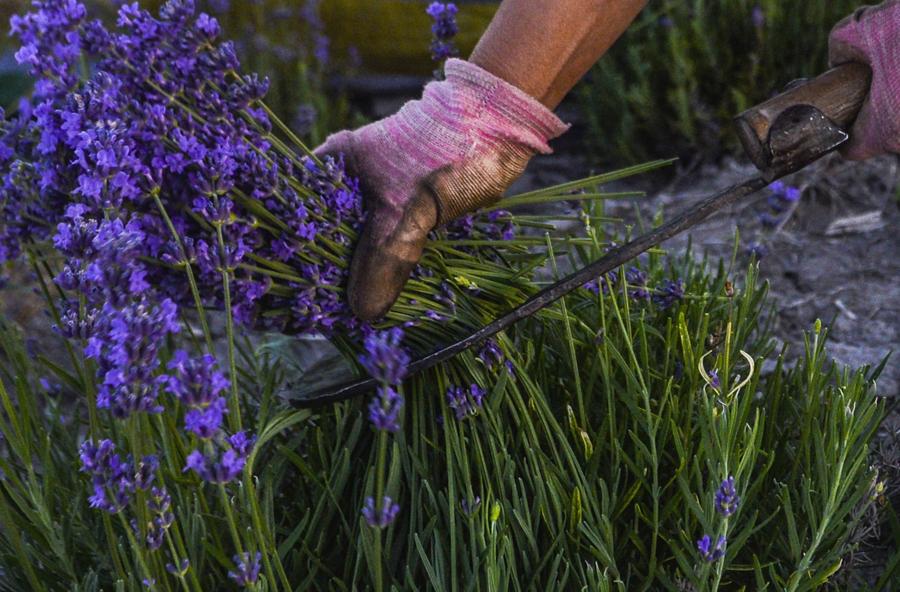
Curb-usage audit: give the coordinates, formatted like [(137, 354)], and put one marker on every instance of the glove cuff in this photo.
[(506, 111), (871, 35)]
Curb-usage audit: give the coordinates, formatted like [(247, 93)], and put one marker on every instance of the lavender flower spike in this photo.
[(709, 553), (465, 402), (383, 517), (727, 500), (385, 360), (443, 30), (247, 569), (215, 468), (384, 410)]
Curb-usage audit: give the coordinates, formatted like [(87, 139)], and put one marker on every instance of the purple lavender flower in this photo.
[(470, 507), (491, 355), (155, 536), (305, 118), (384, 410), (637, 280), (709, 553), (758, 16), (385, 360), (465, 402), (757, 250), (443, 30), (714, 380), (246, 570), (180, 570), (670, 292), (114, 479), (678, 372), (780, 198), (322, 51), (120, 139), (159, 501), (221, 466), (727, 500), (205, 422), (792, 194), (196, 382), (383, 516), (767, 220), (220, 6), (146, 472)]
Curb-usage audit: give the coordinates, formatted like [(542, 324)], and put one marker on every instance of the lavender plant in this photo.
[(443, 30)]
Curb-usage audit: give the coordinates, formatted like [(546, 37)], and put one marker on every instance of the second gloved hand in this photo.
[(872, 36), (455, 150)]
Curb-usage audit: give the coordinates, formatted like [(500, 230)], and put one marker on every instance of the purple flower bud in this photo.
[(246, 570), (205, 422), (468, 507), (491, 355), (385, 360), (670, 292), (179, 570), (383, 516), (444, 29), (707, 552), (757, 250), (465, 402), (219, 466), (384, 410), (727, 500), (758, 17)]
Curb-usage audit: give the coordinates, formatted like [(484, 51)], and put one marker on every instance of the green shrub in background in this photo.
[(286, 41), (676, 79), (593, 465)]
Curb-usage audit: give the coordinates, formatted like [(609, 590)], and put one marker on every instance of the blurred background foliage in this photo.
[(670, 87), (680, 74)]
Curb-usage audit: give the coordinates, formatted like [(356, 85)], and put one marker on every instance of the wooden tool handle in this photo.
[(837, 94)]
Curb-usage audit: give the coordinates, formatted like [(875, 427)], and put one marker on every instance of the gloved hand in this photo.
[(872, 35), (453, 151)]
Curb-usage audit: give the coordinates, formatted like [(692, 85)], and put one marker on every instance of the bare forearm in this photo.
[(545, 46)]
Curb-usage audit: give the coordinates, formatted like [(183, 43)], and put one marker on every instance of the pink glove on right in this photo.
[(872, 35)]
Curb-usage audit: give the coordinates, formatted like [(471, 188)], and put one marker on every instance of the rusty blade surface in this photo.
[(612, 260)]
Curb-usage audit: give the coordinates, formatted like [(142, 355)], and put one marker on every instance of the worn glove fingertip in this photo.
[(385, 257)]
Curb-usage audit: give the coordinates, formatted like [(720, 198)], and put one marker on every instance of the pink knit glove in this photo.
[(453, 151), (872, 36)]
